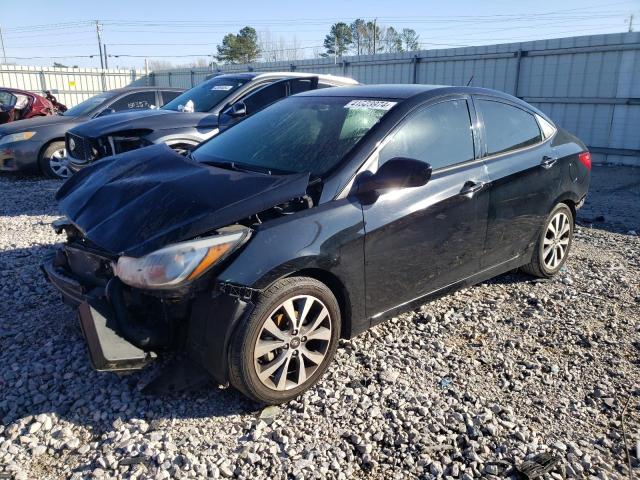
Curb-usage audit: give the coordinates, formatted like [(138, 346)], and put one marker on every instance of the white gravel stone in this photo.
[(504, 370)]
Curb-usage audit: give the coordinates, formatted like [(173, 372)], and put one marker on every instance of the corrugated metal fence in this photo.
[(589, 85), (70, 85)]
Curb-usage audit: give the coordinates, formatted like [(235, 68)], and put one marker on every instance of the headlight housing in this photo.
[(180, 263), (16, 137)]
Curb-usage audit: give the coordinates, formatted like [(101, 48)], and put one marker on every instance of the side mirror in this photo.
[(397, 172), (106, 111), (237, 110)]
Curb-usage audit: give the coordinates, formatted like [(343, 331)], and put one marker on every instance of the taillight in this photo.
[(585, 159)]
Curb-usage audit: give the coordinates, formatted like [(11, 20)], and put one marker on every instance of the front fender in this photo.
[(328, 238)]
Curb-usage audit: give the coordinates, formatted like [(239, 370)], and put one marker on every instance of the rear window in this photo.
[(507, 127)]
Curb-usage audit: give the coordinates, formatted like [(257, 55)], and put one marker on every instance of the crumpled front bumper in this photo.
[(213, 316), (108, 349)]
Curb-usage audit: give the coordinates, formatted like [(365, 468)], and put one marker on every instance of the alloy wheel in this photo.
[(59, 163), (556, 240), (293, 342)]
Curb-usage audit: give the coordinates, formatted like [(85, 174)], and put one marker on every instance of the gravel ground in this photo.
[(464, 387)]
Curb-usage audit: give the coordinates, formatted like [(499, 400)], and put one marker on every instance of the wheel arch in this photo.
[(570, 199), (337, 288), (44, 148)]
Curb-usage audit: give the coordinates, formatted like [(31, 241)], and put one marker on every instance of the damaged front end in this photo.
[(124, 327), (127, 322), (145, 244)]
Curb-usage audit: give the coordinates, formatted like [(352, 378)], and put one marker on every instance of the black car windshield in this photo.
[(206, 95), (88, 105), (299, 134)]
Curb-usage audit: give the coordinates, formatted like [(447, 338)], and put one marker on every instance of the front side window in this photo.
[(299, 85), (439, 135), (134, 101), (168, 95), (298, 134), (206, 95), (507, 127), (265, 96)]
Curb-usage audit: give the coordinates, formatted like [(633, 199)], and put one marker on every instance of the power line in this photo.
[(319, 21), (51, 57), (580, 17)]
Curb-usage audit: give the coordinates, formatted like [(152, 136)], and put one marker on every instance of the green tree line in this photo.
[(360, 37)]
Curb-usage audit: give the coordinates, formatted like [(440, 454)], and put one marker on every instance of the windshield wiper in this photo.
[(227, 165), (243, 167)]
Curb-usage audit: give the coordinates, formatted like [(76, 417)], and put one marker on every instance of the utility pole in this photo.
[(106, 62), (375, 34), (99, 43), (335, 48), (631, 22), (4, 54)]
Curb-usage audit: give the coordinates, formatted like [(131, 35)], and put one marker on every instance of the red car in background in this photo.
[(19, 105)]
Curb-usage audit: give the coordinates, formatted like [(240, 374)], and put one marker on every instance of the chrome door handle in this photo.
[(470, 188), (548, 162)]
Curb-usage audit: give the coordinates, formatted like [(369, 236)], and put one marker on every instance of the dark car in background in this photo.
[(20, 105), (37, 145), (311, 220), (193, 117)]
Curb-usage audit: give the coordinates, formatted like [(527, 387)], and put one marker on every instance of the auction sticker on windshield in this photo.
[(370, 105), (222, 87)]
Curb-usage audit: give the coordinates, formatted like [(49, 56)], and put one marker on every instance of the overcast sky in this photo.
[(160, 28)]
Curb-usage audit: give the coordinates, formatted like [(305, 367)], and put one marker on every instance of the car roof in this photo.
[(17, 90), (406, 91), (398, 91), (261, 75), (142, 89)]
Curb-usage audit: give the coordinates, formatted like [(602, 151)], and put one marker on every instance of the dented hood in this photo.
[(142, 200)]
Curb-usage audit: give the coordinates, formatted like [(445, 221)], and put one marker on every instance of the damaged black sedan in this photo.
[(312, 220)]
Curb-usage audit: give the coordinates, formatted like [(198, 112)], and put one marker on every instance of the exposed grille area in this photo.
[(81, 150), (76, 147), (89, 266)]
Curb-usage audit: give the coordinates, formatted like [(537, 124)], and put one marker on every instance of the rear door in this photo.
[(524, 175), (419, 240)]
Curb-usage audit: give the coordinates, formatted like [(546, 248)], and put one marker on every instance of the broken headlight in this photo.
[(180, 263)]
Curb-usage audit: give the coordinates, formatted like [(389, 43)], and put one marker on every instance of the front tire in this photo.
[(53, 161), (552, 249), (287, 342)]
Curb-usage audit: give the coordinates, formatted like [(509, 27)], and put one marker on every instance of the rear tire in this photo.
[(53, 161), (287, 342), (553, 245)]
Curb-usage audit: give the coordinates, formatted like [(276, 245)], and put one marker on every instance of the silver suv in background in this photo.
[(193, 117)]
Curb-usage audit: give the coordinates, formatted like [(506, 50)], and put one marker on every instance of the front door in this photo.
[(419, 240)]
